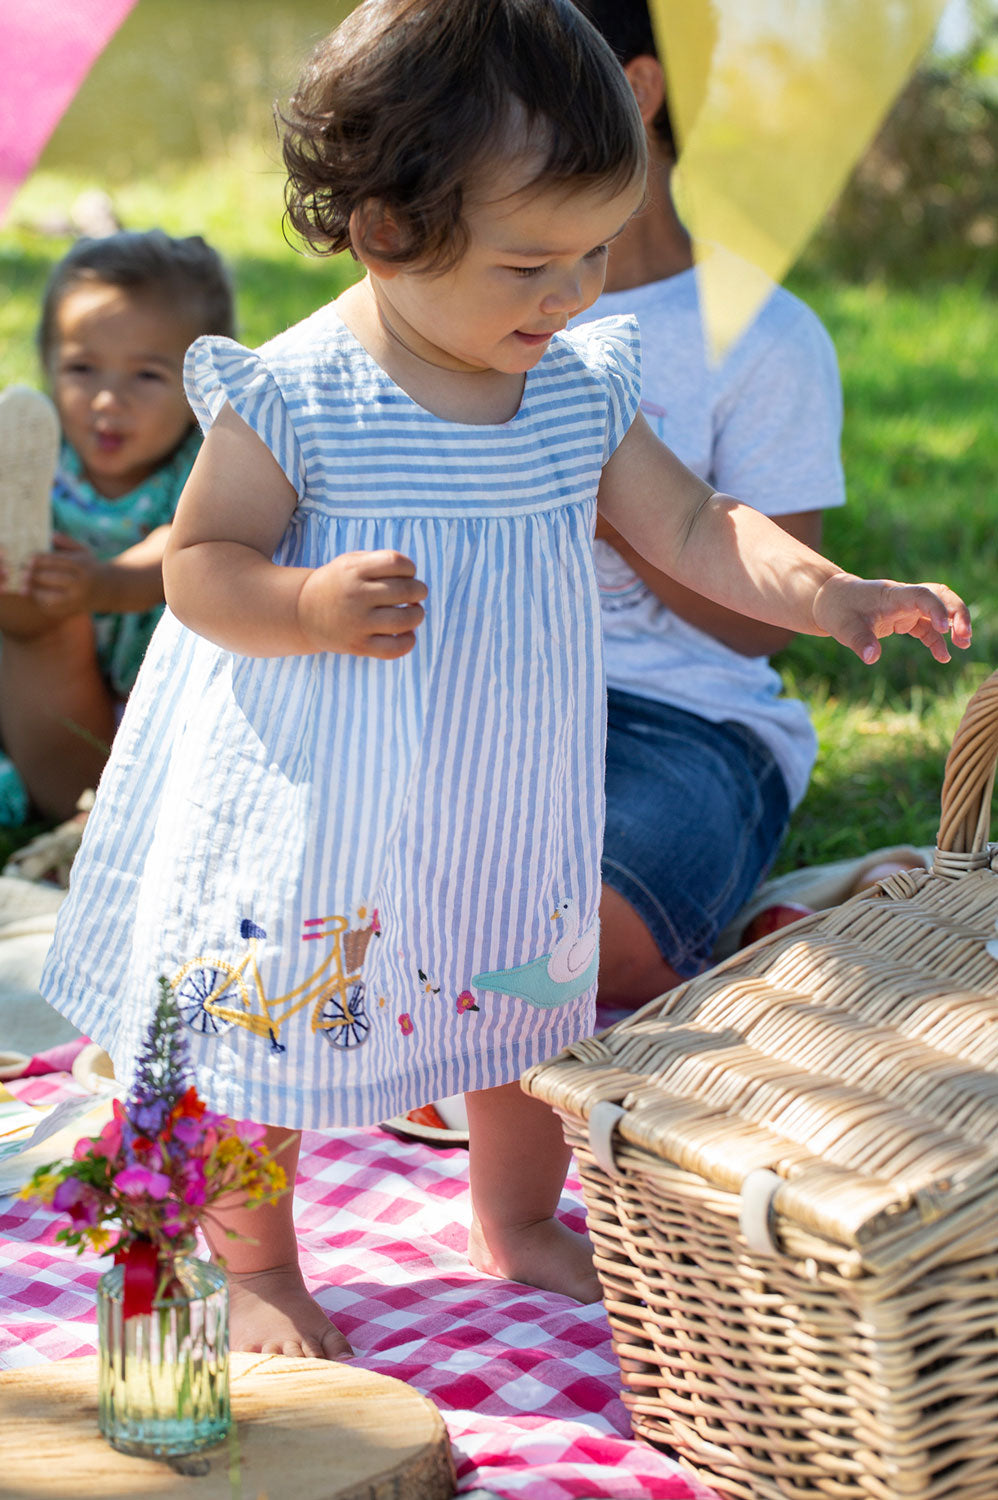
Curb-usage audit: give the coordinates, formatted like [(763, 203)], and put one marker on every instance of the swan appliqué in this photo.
[(556, 977), (573, 952)]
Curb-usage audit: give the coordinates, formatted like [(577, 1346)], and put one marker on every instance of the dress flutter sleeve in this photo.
[(611, 347), (218, 370)]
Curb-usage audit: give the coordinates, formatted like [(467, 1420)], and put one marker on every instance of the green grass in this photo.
[(920, 450), (235, 201)]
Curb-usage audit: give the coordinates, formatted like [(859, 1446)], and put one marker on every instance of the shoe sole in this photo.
[(409, 1130), (29, 454)]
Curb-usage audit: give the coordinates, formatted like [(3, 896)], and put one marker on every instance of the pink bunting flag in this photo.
[(47, 47)]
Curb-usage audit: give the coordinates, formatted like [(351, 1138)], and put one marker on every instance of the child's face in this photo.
[(116, 375), (534, 259)]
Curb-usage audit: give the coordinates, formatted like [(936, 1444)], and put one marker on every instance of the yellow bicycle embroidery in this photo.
[(213, 994)]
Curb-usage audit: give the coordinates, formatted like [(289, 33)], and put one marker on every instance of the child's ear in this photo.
[(647, 80), (374, 234)]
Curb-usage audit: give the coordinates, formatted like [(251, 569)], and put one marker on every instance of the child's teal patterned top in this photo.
[(109, 527)]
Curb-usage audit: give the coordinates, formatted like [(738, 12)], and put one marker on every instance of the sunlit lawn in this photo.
[(921, 456)]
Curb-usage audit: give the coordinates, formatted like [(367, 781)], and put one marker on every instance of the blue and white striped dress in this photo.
[(348, 868)]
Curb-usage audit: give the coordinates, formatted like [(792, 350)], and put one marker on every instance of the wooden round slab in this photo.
[(302, 1427)]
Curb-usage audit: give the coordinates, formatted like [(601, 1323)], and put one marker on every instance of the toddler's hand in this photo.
[(363, 603), (859, 612), (62, 582)]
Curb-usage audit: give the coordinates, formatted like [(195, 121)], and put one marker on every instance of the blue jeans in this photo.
[(695, 814)]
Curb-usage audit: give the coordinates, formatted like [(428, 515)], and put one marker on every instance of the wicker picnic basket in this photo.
[(790, 1167)]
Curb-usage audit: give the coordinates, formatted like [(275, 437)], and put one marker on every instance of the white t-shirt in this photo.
[(764, 426)]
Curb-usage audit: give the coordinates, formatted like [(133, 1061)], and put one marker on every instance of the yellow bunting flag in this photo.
[(773, 102)]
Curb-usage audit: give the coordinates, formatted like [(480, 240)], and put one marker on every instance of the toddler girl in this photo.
[(117, 317), (362, 767)]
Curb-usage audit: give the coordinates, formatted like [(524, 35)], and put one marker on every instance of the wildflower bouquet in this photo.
[(140, 1189)]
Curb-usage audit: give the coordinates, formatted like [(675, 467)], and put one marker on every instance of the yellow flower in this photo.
[(275, 1176), (42, 1186), (99, 1238)]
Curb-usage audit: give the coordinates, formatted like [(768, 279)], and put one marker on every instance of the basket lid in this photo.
[(851, 1057)]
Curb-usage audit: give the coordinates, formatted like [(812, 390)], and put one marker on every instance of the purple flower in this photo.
[(79, 1200), (160, 1160), (137, 1182), (188, 1131), (148, 1117), (162, 1069)]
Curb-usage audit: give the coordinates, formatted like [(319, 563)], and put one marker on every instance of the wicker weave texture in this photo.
[(791, 1173)]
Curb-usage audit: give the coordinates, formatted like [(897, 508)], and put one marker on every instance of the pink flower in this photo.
[(465, 1001), (109, 1139), (405, 1024), (137, 1182), (248, 1132), (148, 1154), (175, 1220), (194, 1192)]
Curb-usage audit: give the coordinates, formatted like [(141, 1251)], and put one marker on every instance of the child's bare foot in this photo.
[(545, 1254), (271, 1312)]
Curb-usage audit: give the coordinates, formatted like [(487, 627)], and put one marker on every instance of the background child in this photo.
[(313, 765), (117, 317), (705, 757)]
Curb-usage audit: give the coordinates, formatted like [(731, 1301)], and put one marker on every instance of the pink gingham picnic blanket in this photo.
[(526, 1380)]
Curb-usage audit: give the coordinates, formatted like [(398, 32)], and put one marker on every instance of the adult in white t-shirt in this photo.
[(705, 758)]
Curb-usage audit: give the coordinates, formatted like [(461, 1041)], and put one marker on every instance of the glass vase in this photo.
[(163, 1375)]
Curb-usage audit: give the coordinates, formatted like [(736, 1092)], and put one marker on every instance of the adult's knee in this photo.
[(632, 971)]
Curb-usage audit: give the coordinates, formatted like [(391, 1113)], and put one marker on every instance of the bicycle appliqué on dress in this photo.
[(213, 994)]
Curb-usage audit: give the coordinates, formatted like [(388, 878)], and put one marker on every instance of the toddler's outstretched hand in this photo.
[(859, 612), (363, 603)]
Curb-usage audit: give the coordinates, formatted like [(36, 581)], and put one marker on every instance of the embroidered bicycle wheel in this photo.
[(345, 1023), (201, 986)]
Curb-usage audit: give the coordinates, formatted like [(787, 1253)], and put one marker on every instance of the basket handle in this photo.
[(965, 818)]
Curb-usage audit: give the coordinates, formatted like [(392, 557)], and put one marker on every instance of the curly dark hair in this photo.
[(187, 274), (406, 102)]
